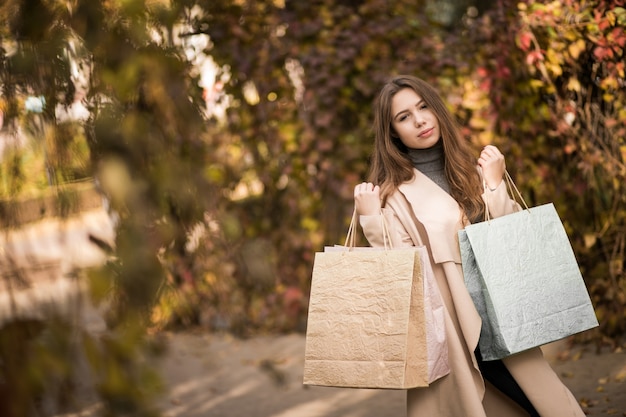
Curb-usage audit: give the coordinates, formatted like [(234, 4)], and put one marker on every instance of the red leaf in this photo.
[(600, 53), (618, 36), (569, 148), (598, 16), (534, 57), (525, 40), (503, 72), (604, 24)]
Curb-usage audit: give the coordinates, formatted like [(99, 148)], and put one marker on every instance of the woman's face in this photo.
[(412, 120)]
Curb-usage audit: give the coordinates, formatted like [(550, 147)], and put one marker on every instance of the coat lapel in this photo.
[(438, 212)]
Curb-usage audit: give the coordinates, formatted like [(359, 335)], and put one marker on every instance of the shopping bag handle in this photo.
[(510, 185), (351, 236)]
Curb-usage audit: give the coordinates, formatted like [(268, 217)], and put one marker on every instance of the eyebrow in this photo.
[(402, 111)]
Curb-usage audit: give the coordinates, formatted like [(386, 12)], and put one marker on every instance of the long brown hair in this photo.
[(390, 165)]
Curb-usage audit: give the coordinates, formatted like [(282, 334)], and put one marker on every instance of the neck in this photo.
[(429, 159), (431, 162)]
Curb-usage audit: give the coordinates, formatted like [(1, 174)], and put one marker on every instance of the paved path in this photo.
[(209, 375), (219, 376)]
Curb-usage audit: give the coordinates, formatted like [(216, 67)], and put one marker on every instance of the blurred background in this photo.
[(175, 164)]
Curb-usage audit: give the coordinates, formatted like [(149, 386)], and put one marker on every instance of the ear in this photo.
[(393, 134)]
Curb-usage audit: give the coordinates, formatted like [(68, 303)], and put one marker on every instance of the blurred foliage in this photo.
[(225, 185), (141, 140), (301, 79)]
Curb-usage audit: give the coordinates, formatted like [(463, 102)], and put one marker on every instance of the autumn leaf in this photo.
[(576, 48), (590, 240), (534, 57), (573, 84), (525, 39), (617, 36), (602, 53)]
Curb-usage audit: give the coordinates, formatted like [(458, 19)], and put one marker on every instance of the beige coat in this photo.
[(420, 212)]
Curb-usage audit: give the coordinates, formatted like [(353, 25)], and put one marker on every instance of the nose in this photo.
[(418, 119)]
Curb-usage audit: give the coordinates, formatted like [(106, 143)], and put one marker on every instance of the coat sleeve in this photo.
[(374, 232), (499, 202)]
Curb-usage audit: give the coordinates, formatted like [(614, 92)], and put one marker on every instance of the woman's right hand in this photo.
[(367, 199)]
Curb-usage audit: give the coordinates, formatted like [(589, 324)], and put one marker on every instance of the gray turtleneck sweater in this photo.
[(430, 162)]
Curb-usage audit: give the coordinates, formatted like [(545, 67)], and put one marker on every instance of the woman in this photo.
[(425, 182)]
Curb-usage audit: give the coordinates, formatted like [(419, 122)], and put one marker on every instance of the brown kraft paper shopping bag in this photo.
[(370, 324)]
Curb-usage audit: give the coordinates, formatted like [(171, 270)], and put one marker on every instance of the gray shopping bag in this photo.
[(524, 279)]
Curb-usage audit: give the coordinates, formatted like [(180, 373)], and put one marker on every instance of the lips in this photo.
[(426, 133)]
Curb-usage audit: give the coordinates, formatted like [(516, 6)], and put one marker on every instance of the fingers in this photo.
[(365, 188), (493, 166), (491, 151), (490, 154), (367, 198)]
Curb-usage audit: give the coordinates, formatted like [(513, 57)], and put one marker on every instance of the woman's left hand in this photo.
[(492, 163)]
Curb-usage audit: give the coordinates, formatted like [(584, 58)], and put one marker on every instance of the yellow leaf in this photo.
[(610, 16), (557, 46), (553, 57), (590, 240), (478, 123), (576, 48), (555, 69), (554, 8), (573, 84), (210, 278), (609, 83), (486, 137), (536, 84), (571, 35)]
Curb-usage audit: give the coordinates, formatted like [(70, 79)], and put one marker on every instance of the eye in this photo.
[(403, 117), (423, 106)]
